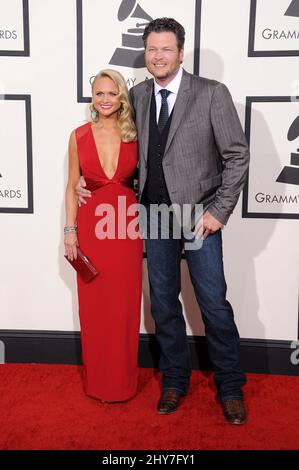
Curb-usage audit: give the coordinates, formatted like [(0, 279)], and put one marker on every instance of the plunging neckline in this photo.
[(98, 156)]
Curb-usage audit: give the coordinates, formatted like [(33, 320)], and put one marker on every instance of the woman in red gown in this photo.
[(104, 151)]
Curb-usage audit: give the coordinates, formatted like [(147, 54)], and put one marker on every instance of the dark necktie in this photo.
[(163, 117)]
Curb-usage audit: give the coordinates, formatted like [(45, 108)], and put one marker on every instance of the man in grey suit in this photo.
[(191, 150)]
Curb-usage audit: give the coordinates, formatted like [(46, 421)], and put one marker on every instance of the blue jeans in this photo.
[(206, 271)]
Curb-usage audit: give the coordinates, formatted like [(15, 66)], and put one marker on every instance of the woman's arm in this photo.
[(71, 199)]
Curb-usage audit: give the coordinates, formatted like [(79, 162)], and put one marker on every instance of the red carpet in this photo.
[(44, 407)]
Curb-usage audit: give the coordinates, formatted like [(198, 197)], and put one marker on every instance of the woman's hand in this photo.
[(70, 245)]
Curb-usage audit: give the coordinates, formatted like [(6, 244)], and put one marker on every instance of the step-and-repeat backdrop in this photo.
[(49, 50)]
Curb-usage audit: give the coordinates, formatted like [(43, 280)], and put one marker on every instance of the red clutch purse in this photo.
[(83, 266)]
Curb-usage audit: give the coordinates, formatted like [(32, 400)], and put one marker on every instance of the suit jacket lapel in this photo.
[(179, 109), (145, 111)]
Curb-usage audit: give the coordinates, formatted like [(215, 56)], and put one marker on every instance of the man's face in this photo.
[(162, 56)]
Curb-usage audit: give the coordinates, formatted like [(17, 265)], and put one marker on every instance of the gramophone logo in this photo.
[(290, 174), (274, 28), (293, 9), (131, 52)]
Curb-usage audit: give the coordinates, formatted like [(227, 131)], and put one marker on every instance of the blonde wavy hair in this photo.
[(125, 115)]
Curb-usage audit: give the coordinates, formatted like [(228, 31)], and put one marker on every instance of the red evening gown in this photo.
[(109, 306)]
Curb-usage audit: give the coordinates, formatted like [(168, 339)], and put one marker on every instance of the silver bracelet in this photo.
[(70, 229)]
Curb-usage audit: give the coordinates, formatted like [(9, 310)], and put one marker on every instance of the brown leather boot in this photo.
[(169, 402), (234, 411)]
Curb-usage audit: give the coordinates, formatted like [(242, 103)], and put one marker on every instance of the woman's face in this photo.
[(106, 97)]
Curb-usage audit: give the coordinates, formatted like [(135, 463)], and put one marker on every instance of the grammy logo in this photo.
[(131, 54), (290, 174)]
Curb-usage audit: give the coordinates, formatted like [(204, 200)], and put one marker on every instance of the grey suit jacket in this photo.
[(206, 156)]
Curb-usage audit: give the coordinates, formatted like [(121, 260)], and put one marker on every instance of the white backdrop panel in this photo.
[(13, 154), (37, 287), (11, 25), (105, 41)]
